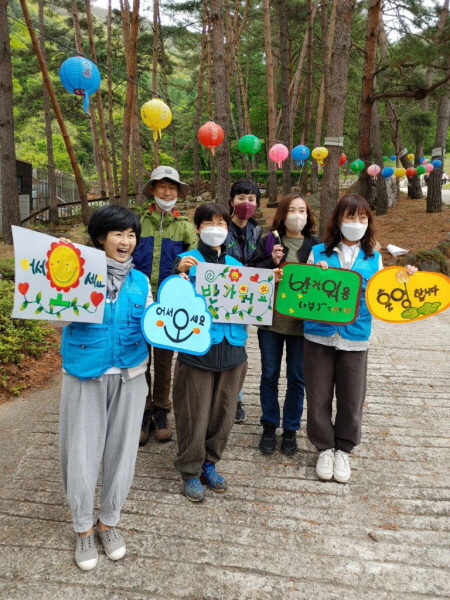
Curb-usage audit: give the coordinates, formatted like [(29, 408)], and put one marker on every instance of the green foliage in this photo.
[(19, 339), (7, 268)]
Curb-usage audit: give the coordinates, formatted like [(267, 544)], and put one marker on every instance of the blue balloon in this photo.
[(387, 172), (393, 157), (81, 77), (300, 154), (436, 163)]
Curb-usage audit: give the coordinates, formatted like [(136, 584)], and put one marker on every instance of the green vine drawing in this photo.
[(426, 309), (62, 304)]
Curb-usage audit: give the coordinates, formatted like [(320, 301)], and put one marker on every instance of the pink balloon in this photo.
[(278, 153), (425, 161), (373, 170), (429, 167)]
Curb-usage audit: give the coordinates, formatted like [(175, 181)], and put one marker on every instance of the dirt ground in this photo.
[(406, 225)]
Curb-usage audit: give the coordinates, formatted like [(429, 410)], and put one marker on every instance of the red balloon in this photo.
[(210, 135), (342, 159), (411, 171)]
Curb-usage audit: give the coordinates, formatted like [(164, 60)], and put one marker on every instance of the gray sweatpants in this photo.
[(99, 420)]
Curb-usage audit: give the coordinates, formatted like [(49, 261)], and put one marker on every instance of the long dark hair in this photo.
[(350, 204), (282, 211)]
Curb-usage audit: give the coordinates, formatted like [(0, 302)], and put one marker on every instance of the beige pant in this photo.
[(159, 395)]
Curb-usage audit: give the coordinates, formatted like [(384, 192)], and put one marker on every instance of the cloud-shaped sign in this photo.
[(179, 320)]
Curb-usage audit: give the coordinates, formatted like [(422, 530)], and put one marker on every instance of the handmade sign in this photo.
[(310, 292), (237, 294), (179, 319), (395, 296), (56, 279)]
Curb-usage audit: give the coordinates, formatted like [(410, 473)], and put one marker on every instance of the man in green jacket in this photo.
[(165, 234)]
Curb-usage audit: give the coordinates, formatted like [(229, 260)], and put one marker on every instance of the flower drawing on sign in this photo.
[(243, 289), (64, 266), (263, 288), (235, 274)]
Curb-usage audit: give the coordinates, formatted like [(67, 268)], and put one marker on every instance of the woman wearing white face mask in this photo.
[(336, 355), (290, 240)]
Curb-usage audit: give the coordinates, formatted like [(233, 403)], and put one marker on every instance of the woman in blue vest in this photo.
[(335, 356), (104, 391), (205, 387)]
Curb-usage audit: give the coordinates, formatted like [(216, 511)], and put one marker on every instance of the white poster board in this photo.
[(57, 280)]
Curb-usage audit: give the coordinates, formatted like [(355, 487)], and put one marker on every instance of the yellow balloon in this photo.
[(410, 157), (156, 115), (400, 172), (319, 153)]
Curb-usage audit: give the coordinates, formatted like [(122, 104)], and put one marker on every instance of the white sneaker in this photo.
[(325, 462), (342, 469)]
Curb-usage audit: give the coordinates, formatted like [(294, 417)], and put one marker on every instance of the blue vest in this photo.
[(233, 332), (361, 328), (90, 349)]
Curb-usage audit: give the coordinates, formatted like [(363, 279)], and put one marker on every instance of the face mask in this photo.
[(244, 210), (165, 205), (296, 222), (213, 236), (353, 231)]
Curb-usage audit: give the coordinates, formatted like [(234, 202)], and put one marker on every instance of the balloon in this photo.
[(249, 144), (211, 135), (278, 153), (319, 153), (411, 171), (373, 171), (393, 157), (410, 156), (385, 158), (387, 172), (436, 163), (357, 165), (300, 154), (429, 167), (421, 170), (400, 172), (81, 77), (342, 160), (425, 161), (156, 115)]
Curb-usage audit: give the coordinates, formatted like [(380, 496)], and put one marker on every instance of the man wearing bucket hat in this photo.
[(165, 234)]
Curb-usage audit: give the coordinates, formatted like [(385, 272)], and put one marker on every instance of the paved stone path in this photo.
[(279, 533)]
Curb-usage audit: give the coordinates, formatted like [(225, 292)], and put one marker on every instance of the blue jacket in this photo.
[(90, 349), (235, 333), (361, 328)]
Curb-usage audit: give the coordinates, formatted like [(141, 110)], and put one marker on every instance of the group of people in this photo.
[(106, 409)]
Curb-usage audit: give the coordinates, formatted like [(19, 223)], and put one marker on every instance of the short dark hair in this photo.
[(112, 217), (244, 186), (282, 211), (206, 212)]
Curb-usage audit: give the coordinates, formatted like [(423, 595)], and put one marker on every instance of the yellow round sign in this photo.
[(395, 296)]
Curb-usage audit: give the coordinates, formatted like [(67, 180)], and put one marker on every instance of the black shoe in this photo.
[(240, 414), (146, 427), (289, 442), (267, 443)]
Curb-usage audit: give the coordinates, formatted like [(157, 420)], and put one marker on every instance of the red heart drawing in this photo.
[(23, 288), (254, 278), (96, 298)]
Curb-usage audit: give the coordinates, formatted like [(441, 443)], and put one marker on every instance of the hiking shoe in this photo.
[(194, 490), (267, 443), (212, 479), (86, 555), (113, 543), (163, 429), (240, 413), (146, 427), (289, 442), (325, 464), (342, 469)]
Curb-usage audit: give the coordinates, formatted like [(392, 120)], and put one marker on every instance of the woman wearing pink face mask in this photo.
[(243, 236)]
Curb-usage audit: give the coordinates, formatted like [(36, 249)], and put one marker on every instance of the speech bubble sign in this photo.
[(56, 279), (236, 294), (326, 295), (394, 296), (179, 319)]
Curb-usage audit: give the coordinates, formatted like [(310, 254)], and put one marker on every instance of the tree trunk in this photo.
[(57, 111), (199, 102), (112, 135), (285, 76), (382, 200), (222, 99), (8, 177), (434, 188), (308, 94), (137, 150), (272, 191), (336, 109), (155, 70), (51, 176), (166, 93)]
